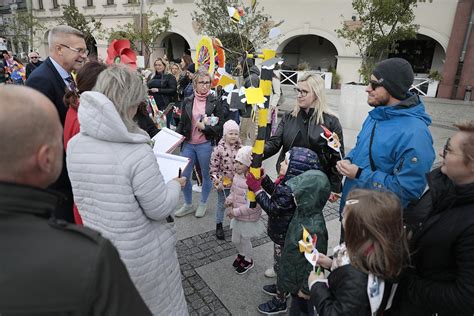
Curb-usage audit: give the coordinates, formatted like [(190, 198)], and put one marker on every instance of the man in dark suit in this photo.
[(49, 267), (34, 63), (67, 52)]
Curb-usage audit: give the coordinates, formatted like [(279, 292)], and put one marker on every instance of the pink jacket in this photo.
[(240, 207), (222, 159)]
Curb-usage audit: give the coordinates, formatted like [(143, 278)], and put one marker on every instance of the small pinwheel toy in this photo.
[(332, 139), (119, 52), (307, 245)]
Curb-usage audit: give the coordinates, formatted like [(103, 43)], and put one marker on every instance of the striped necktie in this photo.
[(71, 84)]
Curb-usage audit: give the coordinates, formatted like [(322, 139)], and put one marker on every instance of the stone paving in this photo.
[(205, 248)]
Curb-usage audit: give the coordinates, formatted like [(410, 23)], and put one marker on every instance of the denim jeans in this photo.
[(220, 209), (201, 153)]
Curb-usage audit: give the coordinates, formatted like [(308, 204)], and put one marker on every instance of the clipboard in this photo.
[(166, 141)]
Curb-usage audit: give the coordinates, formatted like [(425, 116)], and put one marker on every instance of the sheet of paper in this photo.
[(166, 141), (170, 165)]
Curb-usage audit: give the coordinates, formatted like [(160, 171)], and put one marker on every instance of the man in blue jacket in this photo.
[(394, 149)]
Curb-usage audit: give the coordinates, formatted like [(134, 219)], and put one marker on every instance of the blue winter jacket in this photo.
[(402, 151)]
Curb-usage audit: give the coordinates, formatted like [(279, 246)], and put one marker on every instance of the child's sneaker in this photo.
[(244, 266), (273, 307), (271, 289), (270, 273), (237, 260)]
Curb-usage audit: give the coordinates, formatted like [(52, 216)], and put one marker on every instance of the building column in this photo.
[(453, 52)]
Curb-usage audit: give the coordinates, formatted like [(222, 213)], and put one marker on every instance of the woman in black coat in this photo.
[(163, 88), (303, 128), (442, 242)]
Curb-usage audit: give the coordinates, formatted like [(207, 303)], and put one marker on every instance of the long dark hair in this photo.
[(85, 80)]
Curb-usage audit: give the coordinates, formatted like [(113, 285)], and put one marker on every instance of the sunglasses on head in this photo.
[(374, 84)]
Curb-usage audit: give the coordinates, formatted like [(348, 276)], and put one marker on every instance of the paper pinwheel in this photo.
[(332, 140), (307, 245), (119, 52)]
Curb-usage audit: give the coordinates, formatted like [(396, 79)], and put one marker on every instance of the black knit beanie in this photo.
[(396, 76)]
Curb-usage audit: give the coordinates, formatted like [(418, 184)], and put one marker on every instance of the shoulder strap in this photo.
[(372, 163)]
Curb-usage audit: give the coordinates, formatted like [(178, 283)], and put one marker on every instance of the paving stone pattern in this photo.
[(205, 248)]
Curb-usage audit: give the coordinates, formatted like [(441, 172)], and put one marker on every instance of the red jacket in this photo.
[(71, 128)]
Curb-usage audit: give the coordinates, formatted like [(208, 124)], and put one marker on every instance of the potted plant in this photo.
[(434, 78), (336, 80)]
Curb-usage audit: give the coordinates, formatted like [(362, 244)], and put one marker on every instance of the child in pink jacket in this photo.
[(245, 222)]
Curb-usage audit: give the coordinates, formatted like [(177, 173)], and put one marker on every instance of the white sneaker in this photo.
[(270, 273), (197, 188), (184, 210)]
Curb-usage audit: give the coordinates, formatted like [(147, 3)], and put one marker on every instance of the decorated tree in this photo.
[(87, 25), (381, 24), (250, 33), (143, 37)]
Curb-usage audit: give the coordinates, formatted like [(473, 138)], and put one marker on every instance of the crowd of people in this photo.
[(86, 217)]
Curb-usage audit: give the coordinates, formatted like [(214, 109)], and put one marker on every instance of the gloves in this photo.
[(254, 184)]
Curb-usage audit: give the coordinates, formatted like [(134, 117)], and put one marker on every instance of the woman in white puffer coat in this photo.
[(119, 190)]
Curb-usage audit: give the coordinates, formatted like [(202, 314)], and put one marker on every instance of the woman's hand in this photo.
[(302, 295), (333, 197), (313, 276), (154, 90), (324, 261), (181, 181)]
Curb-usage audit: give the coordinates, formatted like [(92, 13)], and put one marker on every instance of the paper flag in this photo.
[(226, 80), (233, 14), (307, 245), (270, 64), (274, 32), (254, 95)]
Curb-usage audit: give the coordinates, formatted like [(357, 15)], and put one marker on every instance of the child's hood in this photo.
[(301, 160), (311, 190)]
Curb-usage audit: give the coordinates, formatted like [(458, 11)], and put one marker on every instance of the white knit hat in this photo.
[(244, 155), (229, 126)]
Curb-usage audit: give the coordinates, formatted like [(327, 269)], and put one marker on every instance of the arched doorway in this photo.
[(424, 53), (174, 46), (310, 52)]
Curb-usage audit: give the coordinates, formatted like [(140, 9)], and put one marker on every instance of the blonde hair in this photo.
[(163, 61), (316, 84), (125, 89), (376, 217)]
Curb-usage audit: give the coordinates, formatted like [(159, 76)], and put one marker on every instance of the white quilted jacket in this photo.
[(120, 192)]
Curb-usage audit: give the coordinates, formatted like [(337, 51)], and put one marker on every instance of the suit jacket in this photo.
[(47, 80)]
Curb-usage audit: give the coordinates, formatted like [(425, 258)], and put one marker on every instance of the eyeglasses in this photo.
[(204, 83), (301, 92), (34, 57), (81, 51), (375, 84), (447, 149)]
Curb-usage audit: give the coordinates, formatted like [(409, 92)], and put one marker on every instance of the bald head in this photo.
[(31, 146)]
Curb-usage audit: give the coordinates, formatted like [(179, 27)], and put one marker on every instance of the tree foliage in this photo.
[(23, 26), (143, 39), (212, 19), (90, 26), (382, 24)]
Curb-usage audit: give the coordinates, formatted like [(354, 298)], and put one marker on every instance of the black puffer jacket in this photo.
[(300, 131), (212, 133), (280, 206), (167, 85), (442, 281), (346, 295)]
